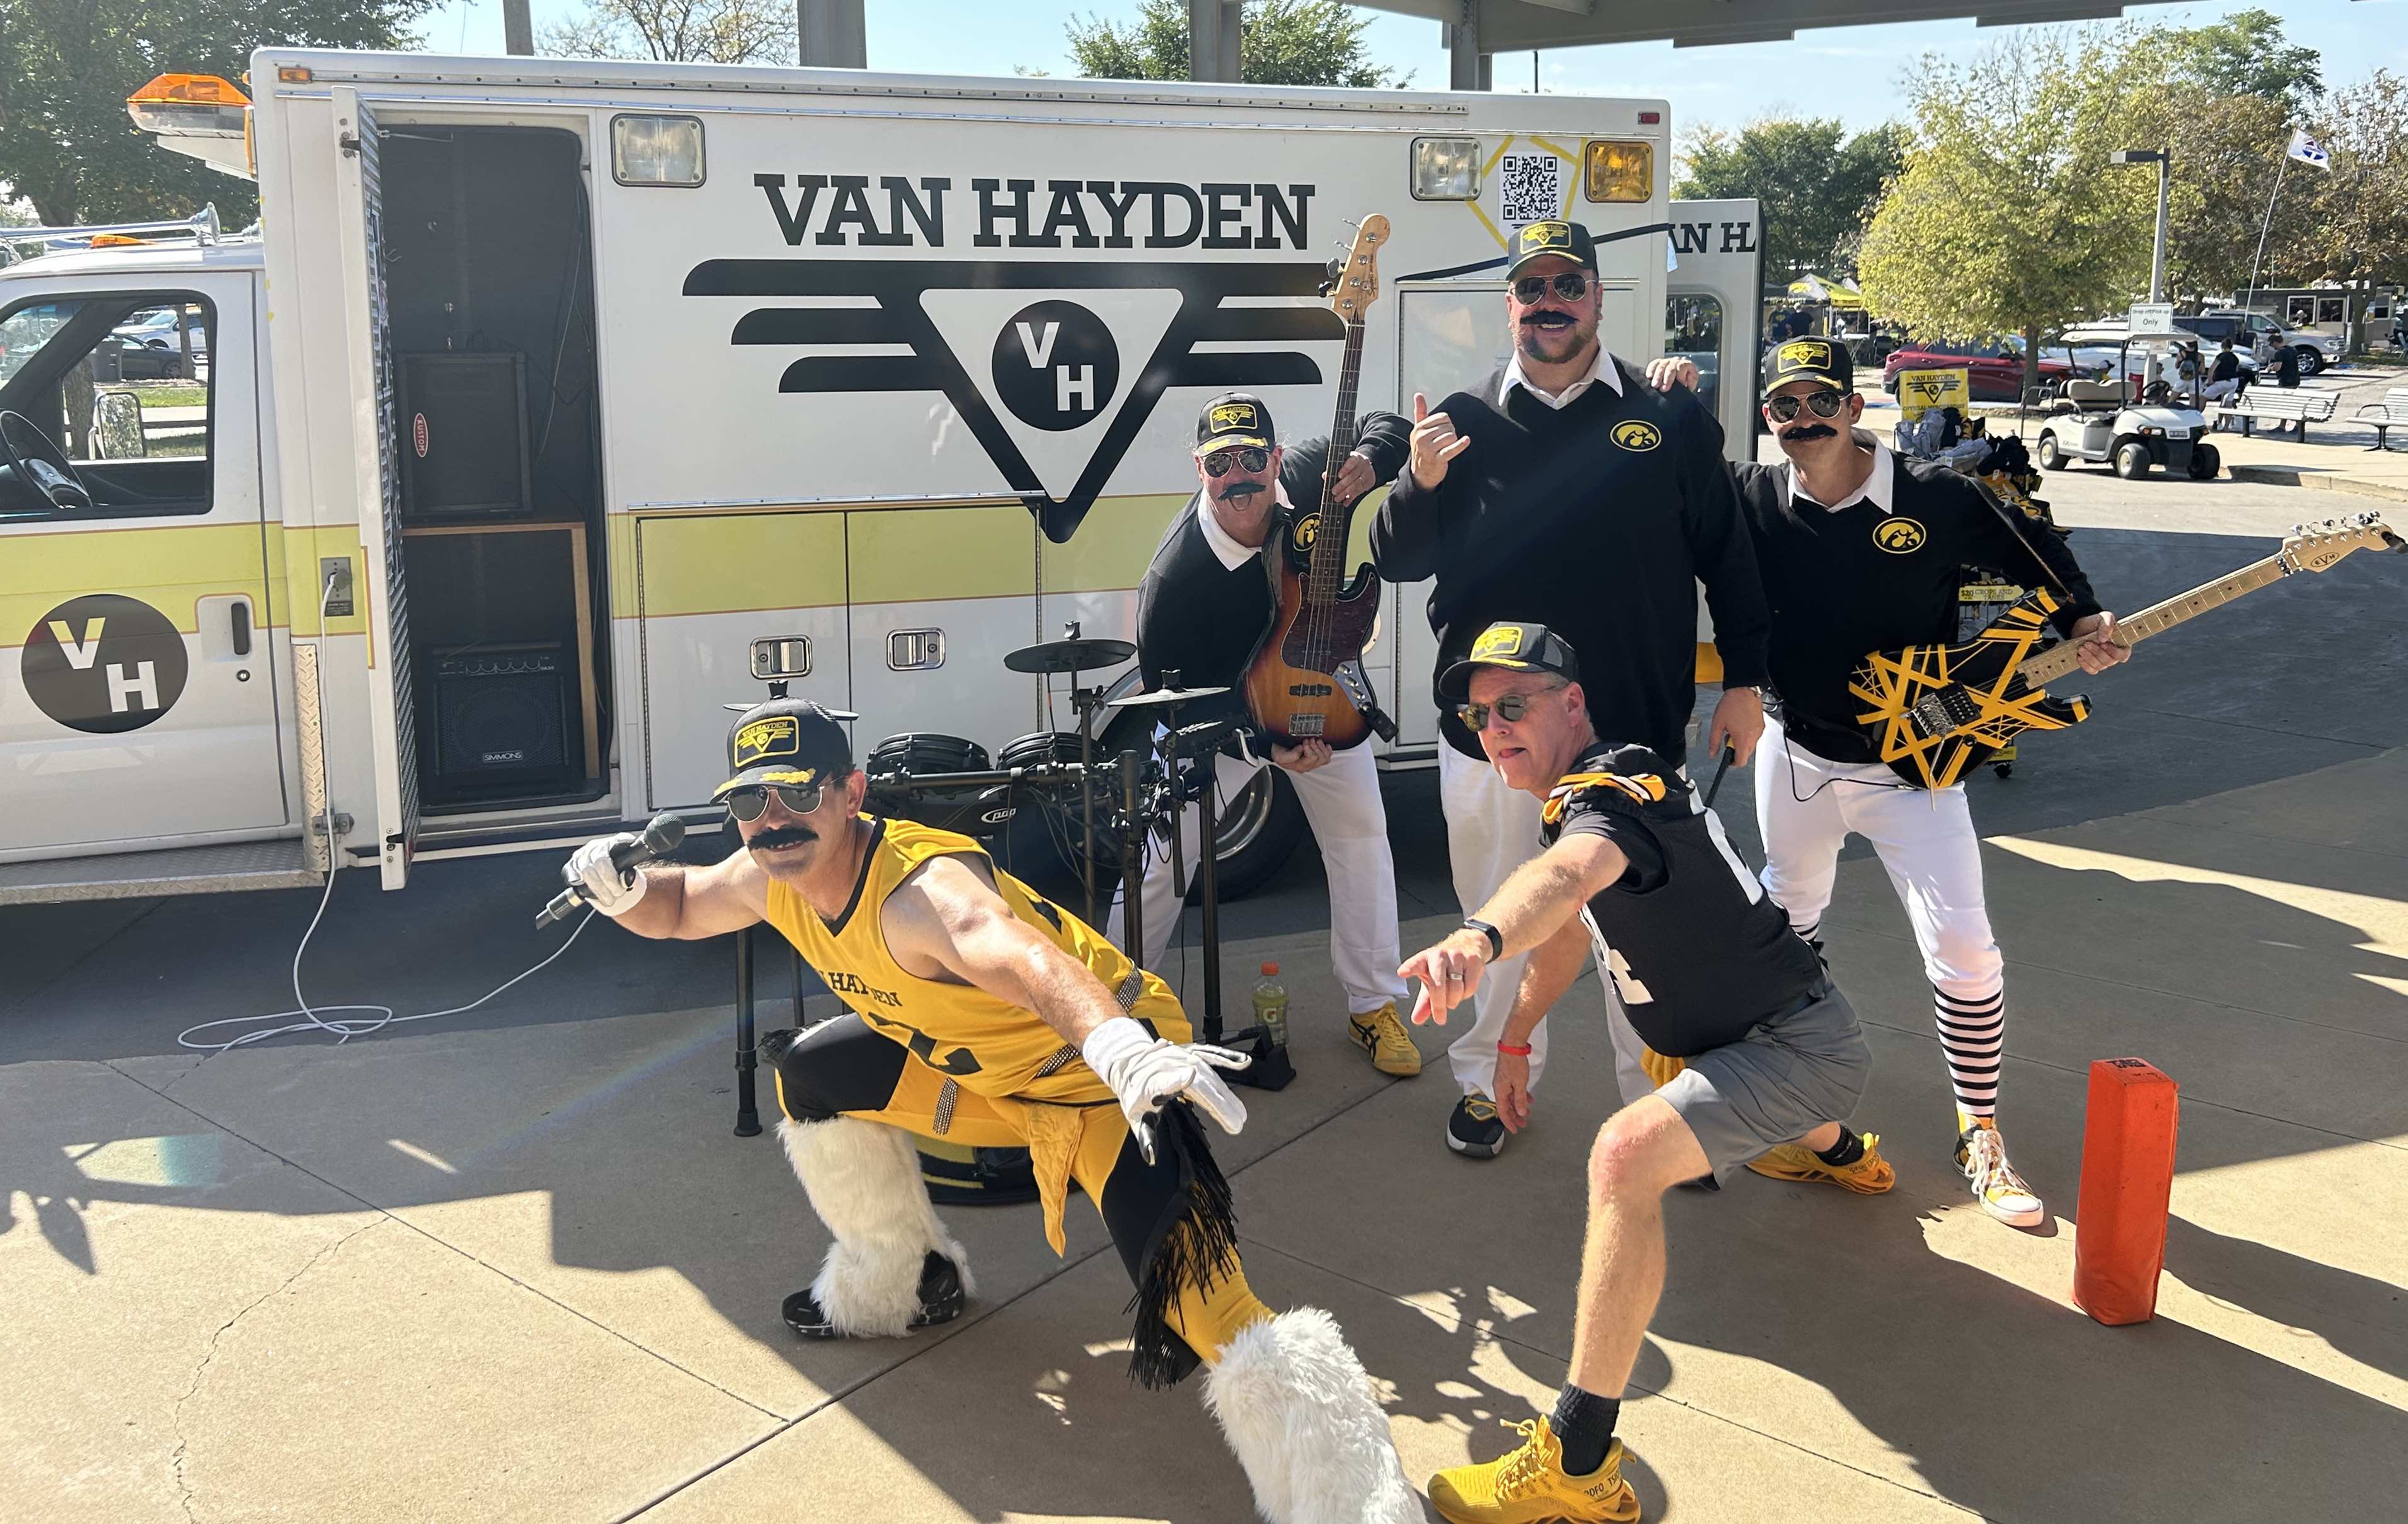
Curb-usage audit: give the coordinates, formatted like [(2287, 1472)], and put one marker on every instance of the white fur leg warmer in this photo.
[(864, 1181), (1298, 1409)]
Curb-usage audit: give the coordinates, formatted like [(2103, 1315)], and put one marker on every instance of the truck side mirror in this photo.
[(117, 428)]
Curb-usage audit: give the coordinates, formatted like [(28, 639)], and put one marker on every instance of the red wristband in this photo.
[(1521, 1052)]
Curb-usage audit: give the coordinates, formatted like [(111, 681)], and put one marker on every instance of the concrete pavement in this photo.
[(513, 1266)]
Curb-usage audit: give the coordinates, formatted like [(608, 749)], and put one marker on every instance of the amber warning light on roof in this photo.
[(198, 114)]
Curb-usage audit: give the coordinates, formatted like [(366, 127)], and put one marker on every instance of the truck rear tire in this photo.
[(2312, 360)]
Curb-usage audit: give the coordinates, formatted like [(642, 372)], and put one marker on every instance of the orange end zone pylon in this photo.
[(2128, 1180)]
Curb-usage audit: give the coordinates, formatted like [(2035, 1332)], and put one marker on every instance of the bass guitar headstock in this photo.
[(2314, 547), (1356, 285)]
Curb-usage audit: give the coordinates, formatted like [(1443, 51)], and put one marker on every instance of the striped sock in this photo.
[(1972, 1035)]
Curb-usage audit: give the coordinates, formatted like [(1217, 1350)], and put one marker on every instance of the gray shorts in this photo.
[(1779, 1082)]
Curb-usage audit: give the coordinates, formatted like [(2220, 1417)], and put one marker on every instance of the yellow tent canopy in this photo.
[(1842, 298)]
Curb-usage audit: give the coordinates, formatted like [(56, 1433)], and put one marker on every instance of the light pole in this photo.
[(2164, 159)]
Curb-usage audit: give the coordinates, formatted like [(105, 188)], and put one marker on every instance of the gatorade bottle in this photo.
[(1271, 1006)]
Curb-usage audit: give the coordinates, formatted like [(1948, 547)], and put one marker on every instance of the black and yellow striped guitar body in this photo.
[(1936, 712)]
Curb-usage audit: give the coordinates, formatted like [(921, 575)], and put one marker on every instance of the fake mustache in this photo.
[(784, 836), (1242, 489), (1547, 320), (1811, 431)]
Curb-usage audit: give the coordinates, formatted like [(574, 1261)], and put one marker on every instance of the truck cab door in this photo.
[(140, 677)]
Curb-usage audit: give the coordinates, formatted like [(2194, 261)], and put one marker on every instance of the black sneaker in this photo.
[(1474, 1130), (942, 1300)]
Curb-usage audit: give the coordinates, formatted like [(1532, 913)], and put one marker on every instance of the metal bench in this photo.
[(2392, 410), (2297, 407)]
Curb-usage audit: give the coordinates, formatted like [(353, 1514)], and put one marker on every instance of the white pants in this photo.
[(1808, 804), (2214, 390), (1342, 803)]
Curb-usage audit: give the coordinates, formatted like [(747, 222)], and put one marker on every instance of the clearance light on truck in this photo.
[(656, 150), (1615, 171), (197, 114), (1447, 168)]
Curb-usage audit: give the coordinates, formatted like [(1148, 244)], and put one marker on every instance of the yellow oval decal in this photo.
[(1898, 536), (1638, 433), (1307, 529)]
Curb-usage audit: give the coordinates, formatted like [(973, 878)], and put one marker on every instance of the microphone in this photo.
[(661, 838)]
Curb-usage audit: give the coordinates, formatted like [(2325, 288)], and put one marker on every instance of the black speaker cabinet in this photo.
[(464, 438), (502, 721)]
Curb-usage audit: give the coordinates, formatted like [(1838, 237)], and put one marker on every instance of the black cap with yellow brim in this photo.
[(1822, 360), (1234, 418), (1535, 240), (790, 742), (1516, 648)]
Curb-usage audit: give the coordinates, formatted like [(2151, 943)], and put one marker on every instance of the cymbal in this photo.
[(1168, 695), (1070, 656)]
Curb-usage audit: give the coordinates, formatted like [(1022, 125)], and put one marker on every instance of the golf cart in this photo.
[(2092, 420)]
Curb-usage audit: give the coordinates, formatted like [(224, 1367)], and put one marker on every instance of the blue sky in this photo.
[(1849, 70)]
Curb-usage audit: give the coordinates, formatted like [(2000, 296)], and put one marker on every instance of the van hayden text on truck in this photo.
[(841, 210)]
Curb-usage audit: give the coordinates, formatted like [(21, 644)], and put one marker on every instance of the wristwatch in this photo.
[(1496, 938)]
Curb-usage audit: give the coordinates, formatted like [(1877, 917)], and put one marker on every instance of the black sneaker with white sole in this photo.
[(1474, 1130), (942, 1300)]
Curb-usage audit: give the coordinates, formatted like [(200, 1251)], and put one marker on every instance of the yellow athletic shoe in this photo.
[(1382, 1034), (1870, 1175), (1527, 1484)]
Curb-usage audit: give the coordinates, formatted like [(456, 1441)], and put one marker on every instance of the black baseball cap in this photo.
[(785, 740), (1567, 241), (1516, 648), (1234, 418), (1809, 359)]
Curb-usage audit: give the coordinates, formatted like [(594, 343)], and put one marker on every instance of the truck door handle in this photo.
[(241, 614)]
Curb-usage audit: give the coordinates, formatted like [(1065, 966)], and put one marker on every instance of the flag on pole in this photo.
[(2308, 151)]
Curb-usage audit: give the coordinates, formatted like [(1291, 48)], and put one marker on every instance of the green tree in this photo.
[(677, 31), (1817, 185), (2352, 222), (2244, 54), (1280, 42), (2007, 216), (67, 65)]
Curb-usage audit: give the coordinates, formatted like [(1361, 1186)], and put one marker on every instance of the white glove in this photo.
[(1144, 1072), (608, 888)]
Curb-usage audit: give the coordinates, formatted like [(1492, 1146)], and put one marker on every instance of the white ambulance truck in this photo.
[(555, 404)]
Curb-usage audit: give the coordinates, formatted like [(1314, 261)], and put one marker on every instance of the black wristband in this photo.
[(1496, 938)]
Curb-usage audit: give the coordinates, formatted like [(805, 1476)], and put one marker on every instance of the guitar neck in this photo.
[(1329, 560), (2160, 617)]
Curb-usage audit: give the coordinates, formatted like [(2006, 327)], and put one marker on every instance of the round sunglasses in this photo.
[(1572, 285), (1247, 458), (751, 803), (1509, 709), (1824, 405)]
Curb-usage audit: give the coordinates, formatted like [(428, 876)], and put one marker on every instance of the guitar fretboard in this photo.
[(2160, 617), (1328, 561)]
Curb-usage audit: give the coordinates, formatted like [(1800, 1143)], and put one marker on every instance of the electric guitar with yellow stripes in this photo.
[(1935, 712)]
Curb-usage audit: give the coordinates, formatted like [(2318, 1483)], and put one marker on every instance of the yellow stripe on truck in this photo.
[(1114, 544), (724, 562), (930, 554)]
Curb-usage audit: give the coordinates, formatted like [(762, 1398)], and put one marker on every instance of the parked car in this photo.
[(2257, 332), (156, 328), (1997, 365)]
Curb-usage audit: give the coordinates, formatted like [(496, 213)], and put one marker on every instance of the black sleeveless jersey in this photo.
[(1696, 950)]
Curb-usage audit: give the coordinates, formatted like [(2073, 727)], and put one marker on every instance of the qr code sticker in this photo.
[(1533, 187)]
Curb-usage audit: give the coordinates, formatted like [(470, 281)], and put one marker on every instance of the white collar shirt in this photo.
[(1226, 546), (1602, 369), (1878, 488)]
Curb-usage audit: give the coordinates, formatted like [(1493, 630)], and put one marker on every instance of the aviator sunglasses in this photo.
[(1825, 403), (1248, 459), (1509, 709), (1572, 285), (749, 803)]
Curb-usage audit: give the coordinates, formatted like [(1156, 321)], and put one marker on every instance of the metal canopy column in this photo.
[(1468, 68), (1212, 42), (830, 36)]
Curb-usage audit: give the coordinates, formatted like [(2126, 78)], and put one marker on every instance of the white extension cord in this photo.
[(315, 1017)]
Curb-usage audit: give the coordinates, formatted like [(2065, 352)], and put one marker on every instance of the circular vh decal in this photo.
[(1898, 536), (1637, 434), (103, 662), (1055, 366)]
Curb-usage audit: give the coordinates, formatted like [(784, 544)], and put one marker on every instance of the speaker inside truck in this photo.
[(464, 438), (502, 719)]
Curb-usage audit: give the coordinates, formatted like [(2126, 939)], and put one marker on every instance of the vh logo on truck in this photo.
[(1054, 365), (104, 664)]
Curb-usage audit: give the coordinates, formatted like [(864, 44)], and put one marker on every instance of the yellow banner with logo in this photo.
[(1920, 391)]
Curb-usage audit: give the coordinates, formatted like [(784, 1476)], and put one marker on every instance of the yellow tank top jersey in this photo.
[(985, 1045)]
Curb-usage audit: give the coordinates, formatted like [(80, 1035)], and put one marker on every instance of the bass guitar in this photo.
[(1935, 712), (1304, 681)]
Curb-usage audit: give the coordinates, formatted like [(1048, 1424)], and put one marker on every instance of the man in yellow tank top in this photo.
[(983, 1015)]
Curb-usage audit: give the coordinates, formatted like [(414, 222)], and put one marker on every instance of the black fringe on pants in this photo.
[(1194, 1243)]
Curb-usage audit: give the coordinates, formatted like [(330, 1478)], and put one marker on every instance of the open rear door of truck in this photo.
[(374, 416)]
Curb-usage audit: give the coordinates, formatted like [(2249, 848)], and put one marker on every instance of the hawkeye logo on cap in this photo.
[(1638, 433), (1547, 236), (1806, 354), (1497, 641), (1898, 536), (777, 736), (1230, 416)]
